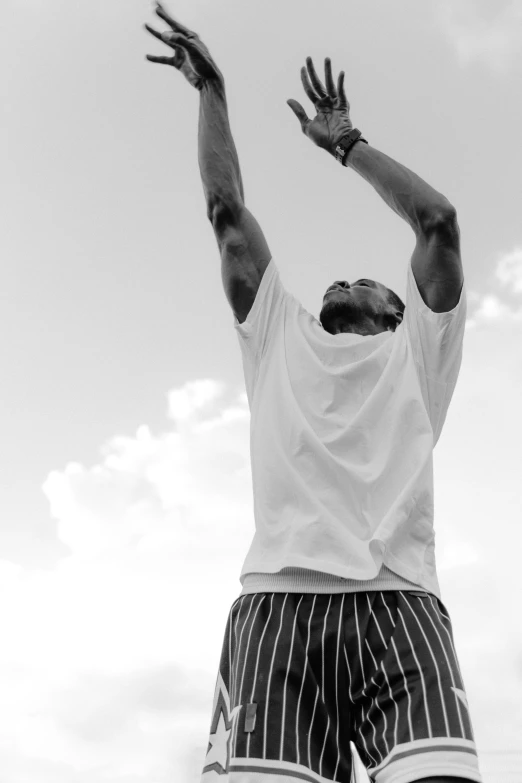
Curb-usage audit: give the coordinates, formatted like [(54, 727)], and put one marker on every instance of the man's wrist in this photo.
[(345, 145), (215, 86)]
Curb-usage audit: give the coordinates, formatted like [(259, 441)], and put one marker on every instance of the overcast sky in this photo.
[(125, 485)]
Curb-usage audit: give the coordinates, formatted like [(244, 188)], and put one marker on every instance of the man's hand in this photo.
[(191, 56), (333, 110)]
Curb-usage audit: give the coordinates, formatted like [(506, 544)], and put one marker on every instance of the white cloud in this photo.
[(492, 307), (508, 269), (476, 36)]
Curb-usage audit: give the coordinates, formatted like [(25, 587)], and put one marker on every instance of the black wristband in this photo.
[(346, 143)]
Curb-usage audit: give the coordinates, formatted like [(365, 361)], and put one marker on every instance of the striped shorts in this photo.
[(302, 675)]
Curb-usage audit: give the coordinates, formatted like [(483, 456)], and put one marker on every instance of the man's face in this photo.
[(361, 307)]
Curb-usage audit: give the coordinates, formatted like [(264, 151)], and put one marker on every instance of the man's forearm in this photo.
[(218, 161), (406, 193)]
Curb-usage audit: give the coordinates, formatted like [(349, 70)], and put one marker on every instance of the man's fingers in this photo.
[(171, 39), (343, 100), (330, 86), (153, 32), (318, 87), (164, 60), (307, 86), (176, 26), (175, 39), (299, 112)]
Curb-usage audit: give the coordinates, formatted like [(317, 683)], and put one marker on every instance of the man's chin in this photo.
[(334, 310)]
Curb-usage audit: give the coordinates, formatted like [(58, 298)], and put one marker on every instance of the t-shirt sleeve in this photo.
[(436, 341), (264, 318)]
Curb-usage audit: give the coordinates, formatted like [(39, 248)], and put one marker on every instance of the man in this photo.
[(339, 633)]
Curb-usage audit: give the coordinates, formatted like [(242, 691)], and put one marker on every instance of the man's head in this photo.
[(364, 307)]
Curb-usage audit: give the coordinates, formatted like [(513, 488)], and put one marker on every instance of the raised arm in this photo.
[(406, 193), (244, 251), (218, 161), (436, 262)]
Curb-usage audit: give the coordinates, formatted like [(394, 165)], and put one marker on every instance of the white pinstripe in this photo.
[(385, 675), (449, 667), (270, 676), (375, 619), (364, 679), (233, 671), (402, 670), (376, 665), (388, 608), (349, 692), (374, 735), (324, 745), (420, 672), (396, 705), (385, 720), (322, 646), (237, 700), (286, 680), (322, 695), (244, 662), (257, 662), (336, 688), (449, 637), (311, 725), (436, 666), (230, 640), (302, 682), (410, 725), (236, 696), (358, 636)]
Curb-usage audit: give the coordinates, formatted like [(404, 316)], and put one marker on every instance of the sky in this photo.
[(125, 485)]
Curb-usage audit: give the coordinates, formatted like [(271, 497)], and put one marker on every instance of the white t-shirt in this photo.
[(342, 433)]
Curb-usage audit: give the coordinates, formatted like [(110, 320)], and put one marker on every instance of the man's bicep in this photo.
[(245, 256)]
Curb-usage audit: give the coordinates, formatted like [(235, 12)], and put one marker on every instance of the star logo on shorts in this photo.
[(223, 721)]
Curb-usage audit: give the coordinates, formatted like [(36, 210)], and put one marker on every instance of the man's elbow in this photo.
[(440, 217), (223, 210)]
